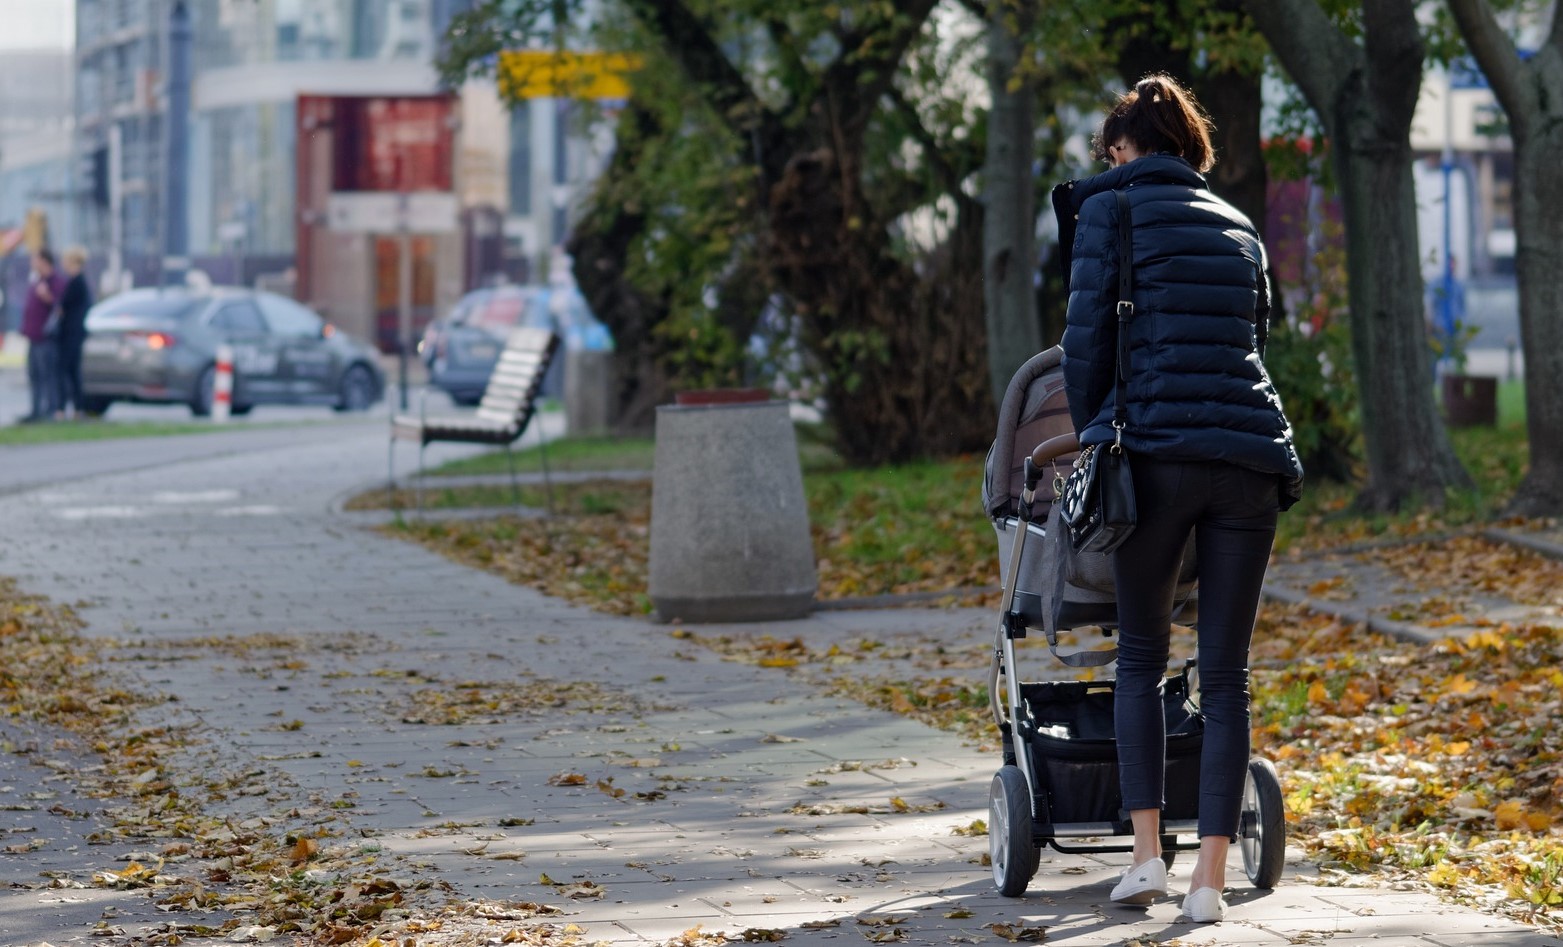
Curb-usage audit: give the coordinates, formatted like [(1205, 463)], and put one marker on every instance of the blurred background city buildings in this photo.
[(311, 120), (319, 146)]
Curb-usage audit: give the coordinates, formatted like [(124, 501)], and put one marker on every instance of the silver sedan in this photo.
[(160, 345)]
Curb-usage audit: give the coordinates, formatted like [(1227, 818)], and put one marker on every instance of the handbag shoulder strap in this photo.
[(1125, 307)]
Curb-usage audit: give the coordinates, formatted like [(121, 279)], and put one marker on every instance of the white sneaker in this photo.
[(1204, 906), (1142, 884)]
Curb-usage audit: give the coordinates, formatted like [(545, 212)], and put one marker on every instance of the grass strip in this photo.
[(611, 452), (885, 531), (915, 528), (571, 454), (57, 432), (1496, 457)]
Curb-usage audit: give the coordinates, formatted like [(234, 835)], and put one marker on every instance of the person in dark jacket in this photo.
[(1210, 448), (74, 303)]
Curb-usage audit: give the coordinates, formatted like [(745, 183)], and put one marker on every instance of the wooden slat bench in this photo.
[(508, 406)]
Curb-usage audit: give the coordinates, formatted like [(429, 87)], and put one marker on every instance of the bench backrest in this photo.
[(518, 375)]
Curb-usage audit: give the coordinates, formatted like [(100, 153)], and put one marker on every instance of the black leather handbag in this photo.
[(1097, 499)]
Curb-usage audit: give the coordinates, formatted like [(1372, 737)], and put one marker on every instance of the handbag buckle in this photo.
[(1125, 309), (1117, 447)]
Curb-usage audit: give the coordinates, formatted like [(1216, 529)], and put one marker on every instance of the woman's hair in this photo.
[(1158, 115), (74, 254)]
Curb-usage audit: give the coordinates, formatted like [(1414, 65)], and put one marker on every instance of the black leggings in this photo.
[(1232, 512), (68, 375)]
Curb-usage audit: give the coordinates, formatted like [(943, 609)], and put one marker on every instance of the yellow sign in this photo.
[(546, 73), (35, 229)]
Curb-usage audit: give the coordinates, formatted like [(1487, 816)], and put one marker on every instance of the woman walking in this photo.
[(1211, 450)]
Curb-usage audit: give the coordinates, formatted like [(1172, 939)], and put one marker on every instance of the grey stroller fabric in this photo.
[(1067, 589)]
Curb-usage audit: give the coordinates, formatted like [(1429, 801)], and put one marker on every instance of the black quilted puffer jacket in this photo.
[(1197, 389)]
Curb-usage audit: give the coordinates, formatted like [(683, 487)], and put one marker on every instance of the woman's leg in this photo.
[(1234, 540), (73, 375), (1145, 573)]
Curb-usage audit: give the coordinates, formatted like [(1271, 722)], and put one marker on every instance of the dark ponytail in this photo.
[(1159, 115)]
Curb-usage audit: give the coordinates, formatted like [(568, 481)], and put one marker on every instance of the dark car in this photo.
[(160, 345), (461, 348)]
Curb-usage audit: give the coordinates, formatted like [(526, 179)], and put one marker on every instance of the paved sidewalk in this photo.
[(318, 660)]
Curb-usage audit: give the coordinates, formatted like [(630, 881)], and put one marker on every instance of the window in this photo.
[(238, 319), (288, 318), (149, 304)]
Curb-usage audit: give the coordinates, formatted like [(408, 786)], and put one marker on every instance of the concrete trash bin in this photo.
[(729, 524)]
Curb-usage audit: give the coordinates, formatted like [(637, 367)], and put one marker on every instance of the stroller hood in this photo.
[(1034, 409)]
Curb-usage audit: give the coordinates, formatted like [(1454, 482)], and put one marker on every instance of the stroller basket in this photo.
[(1068, 730)]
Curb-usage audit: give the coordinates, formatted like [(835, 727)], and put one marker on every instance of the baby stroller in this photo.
[(1059, 782)]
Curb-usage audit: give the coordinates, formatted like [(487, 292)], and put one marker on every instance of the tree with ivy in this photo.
[(854, 181), (1530, 90)]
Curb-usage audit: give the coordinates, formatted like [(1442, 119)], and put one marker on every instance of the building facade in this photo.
[(36, 159), (517, 170)]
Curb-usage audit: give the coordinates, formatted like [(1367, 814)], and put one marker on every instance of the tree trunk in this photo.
[(599, 249), (905, 355), (1365, 93), (1408, 449), (1234, 101), (1528, 92), (1538, 188), (1009, 221)]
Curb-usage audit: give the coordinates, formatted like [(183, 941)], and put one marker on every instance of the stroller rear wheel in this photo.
[(1011, 847), (1263, 832)]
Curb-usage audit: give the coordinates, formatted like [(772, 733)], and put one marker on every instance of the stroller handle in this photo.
[(1042, 457), (1054, 448)]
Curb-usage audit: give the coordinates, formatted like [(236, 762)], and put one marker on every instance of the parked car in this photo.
[(461, 348), (160, 345)]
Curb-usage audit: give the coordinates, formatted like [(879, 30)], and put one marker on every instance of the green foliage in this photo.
[(1309, 359), (706, 354), (1497, 458), (1311, 369), (1296, 150), (1220, 36), (477, 36), (568, 454)]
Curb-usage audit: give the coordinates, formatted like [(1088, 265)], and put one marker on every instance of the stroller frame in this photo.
[(1020, 818)]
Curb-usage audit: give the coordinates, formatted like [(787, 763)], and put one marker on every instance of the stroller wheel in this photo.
[(1012, 849), (1168, 853), (1262, 836)]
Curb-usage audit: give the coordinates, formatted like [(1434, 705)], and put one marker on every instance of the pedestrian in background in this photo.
[(40, 324), (1211, 449), (74, 303)]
